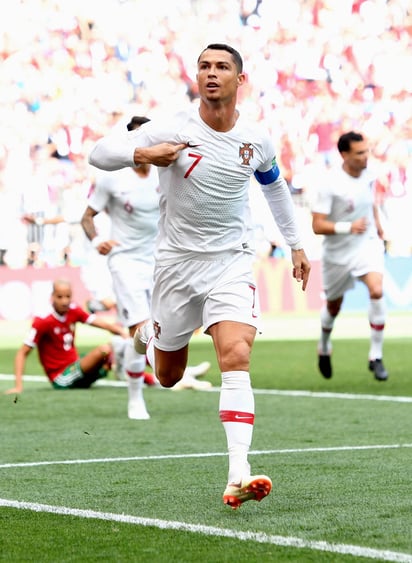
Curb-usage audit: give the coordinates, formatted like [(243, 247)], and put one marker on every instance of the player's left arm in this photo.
[(114, 328), (278, 196), (378, 222)]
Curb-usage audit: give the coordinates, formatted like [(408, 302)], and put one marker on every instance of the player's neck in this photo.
[(351, 172), (219, 117)]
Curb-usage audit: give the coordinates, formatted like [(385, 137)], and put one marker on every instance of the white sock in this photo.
[(150, 356), (237, 413), (134, 365), (119, 344), (326, 323), (377, 318)]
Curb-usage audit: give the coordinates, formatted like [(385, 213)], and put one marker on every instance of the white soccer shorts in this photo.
[(198, 293), (132, 285), (339, 278)]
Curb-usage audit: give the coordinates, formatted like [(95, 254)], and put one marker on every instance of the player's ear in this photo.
[(241, 78)]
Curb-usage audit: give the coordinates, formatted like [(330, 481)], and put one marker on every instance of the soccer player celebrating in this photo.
[(54, 337), (203, 274), (345, 213)]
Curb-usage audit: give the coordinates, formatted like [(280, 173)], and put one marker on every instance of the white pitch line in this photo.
[(260, 537), (281, 392), (203, 455), (330, 395), (43, 379)]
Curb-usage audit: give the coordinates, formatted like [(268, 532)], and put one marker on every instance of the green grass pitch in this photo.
[(82, 483)]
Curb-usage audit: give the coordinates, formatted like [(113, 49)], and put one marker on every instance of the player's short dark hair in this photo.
[(223, 47), (345, 140), (136, 121)]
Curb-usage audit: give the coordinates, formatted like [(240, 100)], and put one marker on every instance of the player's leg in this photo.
[(134, 366), (176, 314), (72, 377), (96, 363), (132, 290), (170, 365), (377, 319), (231, 315), (337, 279), (190, 375), (233, 343), (119, 347), (85, 371), (144, 343), (328, 314), (370, 270)]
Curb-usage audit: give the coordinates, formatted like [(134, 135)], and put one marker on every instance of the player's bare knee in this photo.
[(334, 308), (376, 293), (235, 357), (169, 377), (105, 350)]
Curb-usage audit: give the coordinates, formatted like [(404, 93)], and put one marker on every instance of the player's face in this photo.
[(61, 299), (356, 159), (217, 76)]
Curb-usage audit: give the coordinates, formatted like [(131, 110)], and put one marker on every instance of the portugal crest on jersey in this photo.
[(246, 153)]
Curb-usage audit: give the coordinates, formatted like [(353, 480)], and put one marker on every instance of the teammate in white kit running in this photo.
[(345, 213), (203, 274)]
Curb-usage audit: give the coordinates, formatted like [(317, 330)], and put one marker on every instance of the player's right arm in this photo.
[(322, 225), (131, 149), (321, 208), (87, 222), (19, 365), (163, 154)]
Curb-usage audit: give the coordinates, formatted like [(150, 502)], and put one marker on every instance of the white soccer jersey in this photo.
[(132, 202), (204, 194), (345, 198)]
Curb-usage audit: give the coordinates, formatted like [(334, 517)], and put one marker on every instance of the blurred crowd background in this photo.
[(72, 69)]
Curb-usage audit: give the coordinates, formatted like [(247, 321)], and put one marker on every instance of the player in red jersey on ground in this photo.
[(54, 338)]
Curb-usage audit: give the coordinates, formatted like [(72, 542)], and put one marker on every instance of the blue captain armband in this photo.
[(269, 176)]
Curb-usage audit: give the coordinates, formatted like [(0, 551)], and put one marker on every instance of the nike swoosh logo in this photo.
[(192, 146), (240, 417)]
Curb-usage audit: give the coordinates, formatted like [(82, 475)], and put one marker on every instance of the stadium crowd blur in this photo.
[(72, 69)]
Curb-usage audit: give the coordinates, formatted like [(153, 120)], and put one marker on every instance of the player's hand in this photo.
[(301, 267), (14, 391), (380, 231), (359, 226), (105, 246), (120, 331), (163, 154), (28, 218)]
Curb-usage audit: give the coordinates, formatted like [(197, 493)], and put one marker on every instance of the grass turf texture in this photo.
[(350, 496)]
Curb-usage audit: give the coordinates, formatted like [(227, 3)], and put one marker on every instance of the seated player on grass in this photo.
[(54, 337)]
